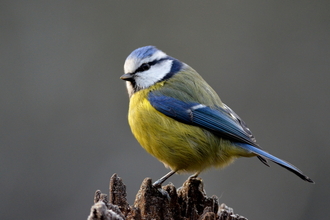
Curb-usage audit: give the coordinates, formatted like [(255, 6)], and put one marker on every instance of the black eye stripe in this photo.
[(155, 61), (146, 66), (143, 67)]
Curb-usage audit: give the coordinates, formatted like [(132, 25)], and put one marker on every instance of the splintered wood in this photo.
[(187, 202)]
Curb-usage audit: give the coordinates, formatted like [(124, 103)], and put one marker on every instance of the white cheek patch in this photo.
[(153, 75)]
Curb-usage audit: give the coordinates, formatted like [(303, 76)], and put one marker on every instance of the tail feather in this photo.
[(263, 154), (263, 160)]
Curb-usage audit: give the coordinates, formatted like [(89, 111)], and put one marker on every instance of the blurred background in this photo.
[(64, 128)]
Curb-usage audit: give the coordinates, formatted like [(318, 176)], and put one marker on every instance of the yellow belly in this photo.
[(179, 146)]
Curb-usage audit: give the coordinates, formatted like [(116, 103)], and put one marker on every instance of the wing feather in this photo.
[(217, 120), (221, 121)]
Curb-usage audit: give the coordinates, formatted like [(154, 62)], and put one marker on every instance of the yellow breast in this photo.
[(179, 146)]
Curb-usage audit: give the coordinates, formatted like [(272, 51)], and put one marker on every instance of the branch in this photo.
[(187, 202)]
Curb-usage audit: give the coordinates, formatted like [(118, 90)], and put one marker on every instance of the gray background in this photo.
[(64, 127)]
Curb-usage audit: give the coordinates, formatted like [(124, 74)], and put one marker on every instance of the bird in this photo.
[(177, 117)]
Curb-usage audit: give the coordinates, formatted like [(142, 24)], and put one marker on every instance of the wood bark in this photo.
[(167, 203)]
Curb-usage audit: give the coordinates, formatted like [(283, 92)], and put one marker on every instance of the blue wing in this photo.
[(221, 121)]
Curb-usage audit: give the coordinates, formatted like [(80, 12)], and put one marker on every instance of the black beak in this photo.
[(127, 77)]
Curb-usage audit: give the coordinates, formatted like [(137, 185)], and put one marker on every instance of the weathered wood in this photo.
[(167, 203), (117, 193)]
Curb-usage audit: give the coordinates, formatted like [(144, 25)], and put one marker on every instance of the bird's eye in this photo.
[(144, 67)]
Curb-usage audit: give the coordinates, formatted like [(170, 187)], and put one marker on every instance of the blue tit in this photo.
[(179, 119)]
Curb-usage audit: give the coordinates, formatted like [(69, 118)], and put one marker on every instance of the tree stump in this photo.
[(187, 202)]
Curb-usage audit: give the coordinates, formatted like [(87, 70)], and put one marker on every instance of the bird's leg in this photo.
[(194, 175), (159, 182)]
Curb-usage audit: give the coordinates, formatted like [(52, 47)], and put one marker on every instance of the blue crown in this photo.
[(143, 52)]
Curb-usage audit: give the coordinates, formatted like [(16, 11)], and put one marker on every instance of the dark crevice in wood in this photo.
[(187, 202)]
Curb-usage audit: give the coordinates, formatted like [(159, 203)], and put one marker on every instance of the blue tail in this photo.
[(276, 160)]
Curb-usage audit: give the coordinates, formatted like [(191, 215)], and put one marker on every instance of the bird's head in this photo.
[(146, 66)]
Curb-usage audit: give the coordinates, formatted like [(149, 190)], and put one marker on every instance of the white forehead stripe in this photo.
[(129, 66), (157, 56), (132, 63)]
